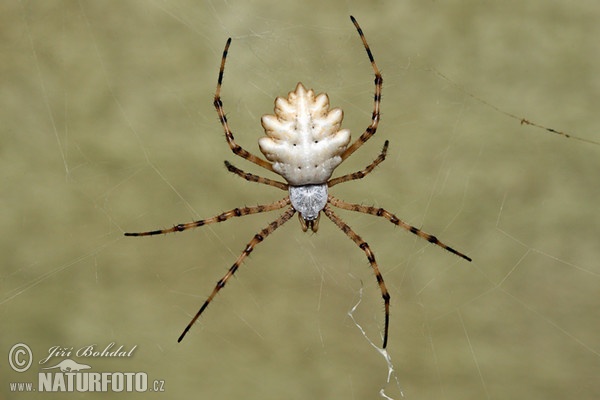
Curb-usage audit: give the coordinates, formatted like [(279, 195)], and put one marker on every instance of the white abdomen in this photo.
[(304, 140)]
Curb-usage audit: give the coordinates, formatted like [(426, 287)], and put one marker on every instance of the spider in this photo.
[(304, 143)]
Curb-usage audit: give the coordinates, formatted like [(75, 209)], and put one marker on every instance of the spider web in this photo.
[(109, 127)]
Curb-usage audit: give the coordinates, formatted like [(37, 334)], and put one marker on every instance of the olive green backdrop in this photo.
[(107, 126)]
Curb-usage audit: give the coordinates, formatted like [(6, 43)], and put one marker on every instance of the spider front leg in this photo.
[(259, 237), (371, 257), (380, 212), (236, 212), (218, 103)]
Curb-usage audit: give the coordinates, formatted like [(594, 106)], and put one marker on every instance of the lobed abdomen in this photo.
[(304, 140)]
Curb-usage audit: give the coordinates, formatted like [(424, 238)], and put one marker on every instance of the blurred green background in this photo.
[(108, 126)]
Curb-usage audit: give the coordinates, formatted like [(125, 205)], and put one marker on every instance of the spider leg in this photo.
[(218, 103), (236, 212), (259, 237), (380, 212), (371, 257), (364, 172), (255, 178), (372, 128)]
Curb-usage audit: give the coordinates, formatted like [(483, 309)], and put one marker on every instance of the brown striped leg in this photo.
[(259, 237), (255, 178), (236, 212), (364, 172), (371, 257), (371, 129), (380, 212), (236, 148)]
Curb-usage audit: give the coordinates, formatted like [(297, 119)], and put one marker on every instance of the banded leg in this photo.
[(236, 148), (259, 237), (371, 129), (364, 172), (380, 212), (255, 178), (236, 212), (371, 257)]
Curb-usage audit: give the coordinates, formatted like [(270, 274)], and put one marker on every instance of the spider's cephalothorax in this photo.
[(304, 144), (309, 201)]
